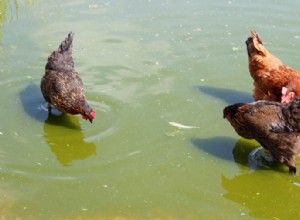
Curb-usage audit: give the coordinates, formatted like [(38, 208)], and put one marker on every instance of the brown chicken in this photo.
[(61, 85), (273, 81), (274, 125)]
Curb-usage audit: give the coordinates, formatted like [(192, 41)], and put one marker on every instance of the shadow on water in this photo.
[(220, 147), (66, 139), (230, 96), (244, 152), (62, 132), (254, 187), (32, 101)]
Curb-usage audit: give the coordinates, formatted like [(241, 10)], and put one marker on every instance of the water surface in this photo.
[(144, 64)]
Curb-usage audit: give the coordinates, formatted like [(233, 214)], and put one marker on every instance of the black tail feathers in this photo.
[(66, 45)]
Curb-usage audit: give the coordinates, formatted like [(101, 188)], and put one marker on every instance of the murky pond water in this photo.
[(144, 64)]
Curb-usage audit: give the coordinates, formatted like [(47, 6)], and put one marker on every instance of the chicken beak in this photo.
[(248, 44), (225, 112)]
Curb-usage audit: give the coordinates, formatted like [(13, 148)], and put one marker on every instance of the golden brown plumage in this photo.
[(273, 81), (61, 85), (274, 125)]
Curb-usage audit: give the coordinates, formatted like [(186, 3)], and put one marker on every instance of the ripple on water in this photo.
[(260, 158), (106, 121), (69, 138)]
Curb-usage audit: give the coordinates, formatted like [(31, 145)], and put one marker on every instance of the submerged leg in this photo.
[(287, 159), (291, 163), (292, 169), (49, 108)]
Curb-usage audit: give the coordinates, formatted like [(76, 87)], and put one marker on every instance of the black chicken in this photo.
[(61, 85), (274, 125)]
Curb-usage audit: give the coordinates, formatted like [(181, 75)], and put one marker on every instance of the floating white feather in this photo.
[(178, 125)]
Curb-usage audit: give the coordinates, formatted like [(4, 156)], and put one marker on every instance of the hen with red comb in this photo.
[(61, 85)]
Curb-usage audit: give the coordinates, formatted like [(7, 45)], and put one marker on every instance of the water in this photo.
[(144, 64)]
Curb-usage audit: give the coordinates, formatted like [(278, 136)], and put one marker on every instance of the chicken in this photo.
[(61, 85), (273, 81), (274, 125)]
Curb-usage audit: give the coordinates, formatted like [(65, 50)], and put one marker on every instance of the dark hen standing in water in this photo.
[(61, 85), (274, 125)]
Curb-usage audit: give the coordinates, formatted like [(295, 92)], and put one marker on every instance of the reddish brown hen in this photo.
[(61, 85), (274, 125), (273, 81)]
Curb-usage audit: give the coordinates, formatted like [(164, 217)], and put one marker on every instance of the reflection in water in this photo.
[(244, 152), (243, 149), (13, 6), (62, 132), (66, 140), (255, 191), (251, 154), (3, 7), (228, 95), (253, 187)]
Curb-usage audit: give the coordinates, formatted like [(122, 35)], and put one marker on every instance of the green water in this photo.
[(144, 64)]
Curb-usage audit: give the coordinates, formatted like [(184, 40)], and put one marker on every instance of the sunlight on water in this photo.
[(158, 74)]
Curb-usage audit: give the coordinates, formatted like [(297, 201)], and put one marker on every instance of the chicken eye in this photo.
[(260, 53)]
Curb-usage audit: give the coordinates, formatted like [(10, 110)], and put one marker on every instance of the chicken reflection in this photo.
[(66, 140), (255, 191), (62, 132)]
